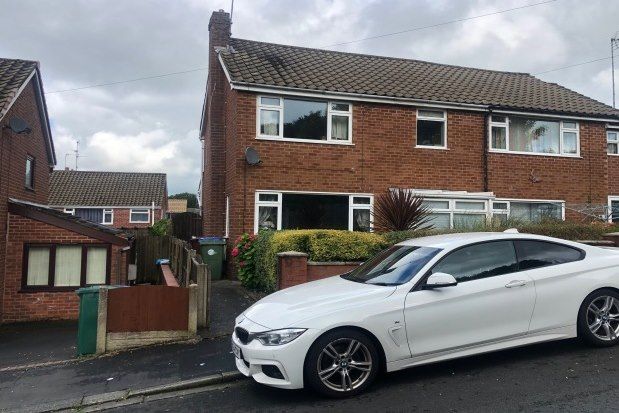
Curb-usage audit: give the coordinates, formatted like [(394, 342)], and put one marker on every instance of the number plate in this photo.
[(237, 351)]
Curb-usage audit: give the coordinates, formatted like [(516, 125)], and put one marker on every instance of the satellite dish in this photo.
[(18, 125), (251, 156)]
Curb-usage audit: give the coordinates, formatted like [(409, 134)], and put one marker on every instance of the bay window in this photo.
[(65, 266), (456, 213), (450, 213), (304, 120), (530, 135), (289, 210), (432, 128), (612, 139)]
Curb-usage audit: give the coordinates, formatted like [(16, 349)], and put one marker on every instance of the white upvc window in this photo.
[(528, 210), (499, 132), (338, 211), (108, 217), (457, 213), (612, 139), (431, 129), (268, 211), (359, 214), (304, 120), (533, 136), (70, 211), (139, 216)]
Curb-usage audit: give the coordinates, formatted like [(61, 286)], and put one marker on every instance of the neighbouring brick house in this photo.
[(125, 200), (333, 130), (45, 255)]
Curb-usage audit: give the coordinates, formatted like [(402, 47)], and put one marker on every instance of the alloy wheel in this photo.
[(344, 364), (603, 318)]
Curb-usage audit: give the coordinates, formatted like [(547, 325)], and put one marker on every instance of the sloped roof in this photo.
[(13, 74), (92, 188), (273, 65), (70, 222)]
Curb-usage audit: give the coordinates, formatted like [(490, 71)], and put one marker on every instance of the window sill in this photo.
[(138, 222), (612, 154), (440, 148), (554, 155), (267, 138)]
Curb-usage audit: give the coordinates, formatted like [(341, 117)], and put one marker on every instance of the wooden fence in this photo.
[(185, 262), (186, 225)]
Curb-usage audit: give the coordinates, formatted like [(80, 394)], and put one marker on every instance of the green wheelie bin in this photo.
[(213, 252)]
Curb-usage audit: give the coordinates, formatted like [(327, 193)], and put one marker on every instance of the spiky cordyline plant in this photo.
[(400, 210)]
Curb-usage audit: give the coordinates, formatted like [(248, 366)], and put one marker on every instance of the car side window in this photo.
[(478, 261), (535, 254)]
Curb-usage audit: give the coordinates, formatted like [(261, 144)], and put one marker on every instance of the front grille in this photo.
[(242, 335)]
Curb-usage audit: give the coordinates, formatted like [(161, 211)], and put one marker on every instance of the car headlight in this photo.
[(278, 337)]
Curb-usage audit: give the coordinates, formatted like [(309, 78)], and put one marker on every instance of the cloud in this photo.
[(150, 125)]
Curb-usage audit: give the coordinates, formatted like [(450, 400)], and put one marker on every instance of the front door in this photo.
[(491, 301)]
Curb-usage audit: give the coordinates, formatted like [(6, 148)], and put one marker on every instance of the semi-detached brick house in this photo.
[(333, 130), (45, 255), (125, 200)]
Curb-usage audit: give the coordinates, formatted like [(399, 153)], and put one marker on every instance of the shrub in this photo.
[(569, 230), (161, 227), (400, 210), (243, 253), (320, 245)]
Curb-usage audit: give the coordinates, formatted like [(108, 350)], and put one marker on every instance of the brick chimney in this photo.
[(213, 129)]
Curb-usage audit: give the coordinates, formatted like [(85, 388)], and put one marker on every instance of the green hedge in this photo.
[(320, 245), (332, 245)]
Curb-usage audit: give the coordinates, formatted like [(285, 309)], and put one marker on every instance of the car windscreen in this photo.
[(394, 266)]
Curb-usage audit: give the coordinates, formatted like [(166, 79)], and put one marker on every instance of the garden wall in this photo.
[(294, 268)]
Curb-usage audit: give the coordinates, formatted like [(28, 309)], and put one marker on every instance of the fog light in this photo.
[(272, 371)]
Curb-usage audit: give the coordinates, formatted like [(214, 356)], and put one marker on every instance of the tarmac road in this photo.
[(561, 376)]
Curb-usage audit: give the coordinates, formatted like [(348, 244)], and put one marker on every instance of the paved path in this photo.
[(54, 342), (40, 342), (552, 377)]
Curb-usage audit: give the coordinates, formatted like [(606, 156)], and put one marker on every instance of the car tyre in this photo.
[(598, 318), (342, 363)]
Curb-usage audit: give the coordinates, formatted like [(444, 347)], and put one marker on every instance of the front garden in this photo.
[(256, 254)]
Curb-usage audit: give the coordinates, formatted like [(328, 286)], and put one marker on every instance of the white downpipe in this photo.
[(152, 215)]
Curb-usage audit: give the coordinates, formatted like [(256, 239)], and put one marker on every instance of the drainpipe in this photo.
[(152, 215), (486, 139)]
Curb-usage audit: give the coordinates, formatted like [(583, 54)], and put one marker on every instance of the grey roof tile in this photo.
[(269, 64), (92, 188), (13, 74)]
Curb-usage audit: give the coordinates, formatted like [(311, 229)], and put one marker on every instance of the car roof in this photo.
[(454, 240)]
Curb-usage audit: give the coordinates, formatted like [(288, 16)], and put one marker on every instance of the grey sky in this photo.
[(152, 125)]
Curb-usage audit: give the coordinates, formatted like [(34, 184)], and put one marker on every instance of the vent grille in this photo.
[(242, 335)]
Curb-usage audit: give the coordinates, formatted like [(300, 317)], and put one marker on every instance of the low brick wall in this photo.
[(294, 268)]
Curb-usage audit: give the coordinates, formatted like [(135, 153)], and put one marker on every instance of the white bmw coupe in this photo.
[(426, 300)]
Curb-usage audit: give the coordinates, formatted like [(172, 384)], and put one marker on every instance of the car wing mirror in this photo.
[(439, 280)]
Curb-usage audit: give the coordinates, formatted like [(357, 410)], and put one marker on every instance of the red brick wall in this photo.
[(30, 306), (293, 268), (13, 151), (213, 131), (121, 218), (384, 156)]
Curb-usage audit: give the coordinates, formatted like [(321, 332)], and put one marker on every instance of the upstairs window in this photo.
[(612, 139), (432, 128), (108, 217), (139, 216), (527, 135), (304, 120), (29, 176)]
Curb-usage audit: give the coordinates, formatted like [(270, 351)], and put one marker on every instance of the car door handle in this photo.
[(516, 283)]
